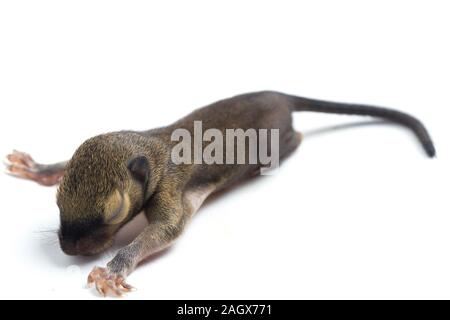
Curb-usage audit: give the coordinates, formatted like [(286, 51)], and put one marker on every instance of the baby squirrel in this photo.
[(114, 176)]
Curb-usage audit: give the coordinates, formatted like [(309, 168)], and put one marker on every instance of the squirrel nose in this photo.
[(69, 247)]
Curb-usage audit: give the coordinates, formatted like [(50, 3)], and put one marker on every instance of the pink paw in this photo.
[(107, 283), (22, 165)]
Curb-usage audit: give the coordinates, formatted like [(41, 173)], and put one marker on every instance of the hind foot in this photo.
[(21, 165)]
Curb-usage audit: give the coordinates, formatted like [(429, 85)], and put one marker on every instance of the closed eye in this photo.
[(116, 208)]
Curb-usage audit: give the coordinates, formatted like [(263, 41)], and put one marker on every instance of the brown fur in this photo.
[(112, 177)]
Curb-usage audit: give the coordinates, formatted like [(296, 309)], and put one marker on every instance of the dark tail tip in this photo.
[(430, 149)]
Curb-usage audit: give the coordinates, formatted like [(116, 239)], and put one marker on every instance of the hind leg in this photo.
[(22, 165), (291, 141)]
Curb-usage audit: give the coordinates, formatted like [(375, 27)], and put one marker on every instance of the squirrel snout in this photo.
[(69, 247), (76, 247), (85, 246)]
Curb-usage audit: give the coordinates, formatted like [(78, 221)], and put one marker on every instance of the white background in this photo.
[(355, 213)]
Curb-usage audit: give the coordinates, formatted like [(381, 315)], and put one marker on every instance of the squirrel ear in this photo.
[(140, 169)]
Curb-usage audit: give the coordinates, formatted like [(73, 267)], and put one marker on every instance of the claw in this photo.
[(100, 289), (6, 162), (126, 287), (108, 283), (90, 280)]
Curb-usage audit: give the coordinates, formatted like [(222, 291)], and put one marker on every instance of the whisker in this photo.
[(47, 236), (55, 231)]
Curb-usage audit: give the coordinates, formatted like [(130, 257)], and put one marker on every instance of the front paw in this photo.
[(108, 283), (21, 165)]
